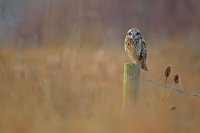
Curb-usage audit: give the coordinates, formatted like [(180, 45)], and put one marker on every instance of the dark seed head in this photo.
[(173, 108), (167, 71), (176, 79)]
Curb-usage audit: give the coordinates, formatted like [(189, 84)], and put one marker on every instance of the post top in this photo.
[(131, 64)]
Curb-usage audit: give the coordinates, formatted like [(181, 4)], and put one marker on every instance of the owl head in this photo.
[(134, 34)]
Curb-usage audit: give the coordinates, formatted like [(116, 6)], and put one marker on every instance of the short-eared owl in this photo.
[(136, 47)]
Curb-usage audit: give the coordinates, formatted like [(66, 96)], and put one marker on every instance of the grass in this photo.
[(71, 89)]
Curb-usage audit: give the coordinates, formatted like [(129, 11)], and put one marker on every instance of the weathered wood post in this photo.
[(131, 83)]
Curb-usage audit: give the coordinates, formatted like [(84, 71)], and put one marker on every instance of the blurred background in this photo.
[(39, 22), (61, 65)]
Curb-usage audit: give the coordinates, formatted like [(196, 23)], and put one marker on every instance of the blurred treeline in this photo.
[(40, 22)]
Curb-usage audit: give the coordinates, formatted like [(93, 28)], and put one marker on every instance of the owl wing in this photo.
[(138, 47), (143, 52)]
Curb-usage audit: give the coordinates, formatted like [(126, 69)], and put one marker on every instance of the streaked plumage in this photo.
[(136, 47)]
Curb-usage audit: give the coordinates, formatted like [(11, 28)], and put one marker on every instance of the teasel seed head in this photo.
[(173, 108), (167, 71), (176, 79)]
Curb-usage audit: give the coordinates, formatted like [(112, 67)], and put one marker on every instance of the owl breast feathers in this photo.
[(136, 47)]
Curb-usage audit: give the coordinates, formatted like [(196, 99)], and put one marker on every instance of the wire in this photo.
[(176, 89)]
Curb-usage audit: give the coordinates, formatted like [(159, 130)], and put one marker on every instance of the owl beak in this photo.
[(132, 37)]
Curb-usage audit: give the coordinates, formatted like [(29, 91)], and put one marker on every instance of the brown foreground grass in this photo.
[(79, 90)]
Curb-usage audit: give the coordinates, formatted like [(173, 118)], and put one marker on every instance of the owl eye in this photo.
[(129, 33), (137, 34)]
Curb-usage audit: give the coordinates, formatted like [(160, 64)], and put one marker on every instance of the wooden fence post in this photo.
[(131, 83)]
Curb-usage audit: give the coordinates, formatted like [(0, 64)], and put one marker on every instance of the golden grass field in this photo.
[(71, 89)]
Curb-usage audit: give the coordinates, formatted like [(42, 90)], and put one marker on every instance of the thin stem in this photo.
[(162, 93), (171, 92)]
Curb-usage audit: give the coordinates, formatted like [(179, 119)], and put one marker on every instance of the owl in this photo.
[(136, 47)]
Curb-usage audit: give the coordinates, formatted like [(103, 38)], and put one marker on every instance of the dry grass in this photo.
[(75, 90)]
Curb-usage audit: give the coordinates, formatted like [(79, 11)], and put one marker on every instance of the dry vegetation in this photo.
[(73, 90)]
